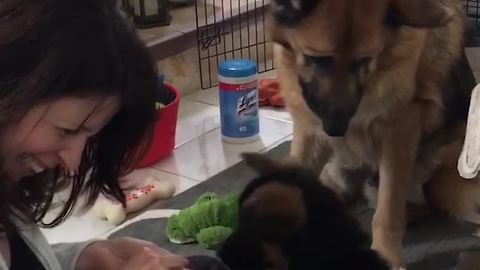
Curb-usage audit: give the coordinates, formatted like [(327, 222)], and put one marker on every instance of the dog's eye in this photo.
[(325, 63), (284, 44), (361, 65)]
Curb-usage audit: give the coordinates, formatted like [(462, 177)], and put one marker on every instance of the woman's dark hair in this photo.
[(82, 48)]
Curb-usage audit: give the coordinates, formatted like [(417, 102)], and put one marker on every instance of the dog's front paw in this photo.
[(389, 246), (392, 257), (333, 178)]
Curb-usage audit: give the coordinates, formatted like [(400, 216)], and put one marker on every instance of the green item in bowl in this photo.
[(159, 105)]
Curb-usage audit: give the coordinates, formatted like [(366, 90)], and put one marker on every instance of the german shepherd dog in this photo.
[(289, 220), (369, 87)]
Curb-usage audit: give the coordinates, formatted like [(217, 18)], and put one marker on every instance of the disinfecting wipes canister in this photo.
[(238, 100)]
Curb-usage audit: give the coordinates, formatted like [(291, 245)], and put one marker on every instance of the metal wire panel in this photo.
[(472, 10), (228, 29)]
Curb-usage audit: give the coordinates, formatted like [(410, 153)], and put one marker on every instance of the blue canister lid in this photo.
[(237, 68)]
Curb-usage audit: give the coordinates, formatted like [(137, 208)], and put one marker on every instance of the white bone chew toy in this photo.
[(152, 189)]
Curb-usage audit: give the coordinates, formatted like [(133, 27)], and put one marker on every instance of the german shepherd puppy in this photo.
[(289, 221), (368, 85)]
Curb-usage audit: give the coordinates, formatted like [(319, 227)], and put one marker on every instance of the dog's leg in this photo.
[(306, 140), (447, 191), (301, 138), (291, 93), (396, 161), (414, 211)]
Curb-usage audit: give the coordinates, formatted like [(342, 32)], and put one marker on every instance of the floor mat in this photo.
[(432, 244)]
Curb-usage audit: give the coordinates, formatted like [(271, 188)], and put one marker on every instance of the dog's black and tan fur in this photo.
[(289, 220), (367, 83)]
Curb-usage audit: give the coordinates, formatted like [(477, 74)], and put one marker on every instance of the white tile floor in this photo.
[(200, 153)]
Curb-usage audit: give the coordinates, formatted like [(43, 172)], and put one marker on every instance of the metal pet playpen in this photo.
[(229, 29)]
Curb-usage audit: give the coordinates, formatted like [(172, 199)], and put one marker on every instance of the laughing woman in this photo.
[(76, 96)]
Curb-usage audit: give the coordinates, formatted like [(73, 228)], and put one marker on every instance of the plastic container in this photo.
[(238, 86), (163, 141)]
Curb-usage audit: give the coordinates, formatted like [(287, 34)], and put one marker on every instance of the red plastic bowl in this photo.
[(163, 141)]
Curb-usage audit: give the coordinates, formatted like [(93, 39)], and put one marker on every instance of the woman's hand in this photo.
[(128, 254)]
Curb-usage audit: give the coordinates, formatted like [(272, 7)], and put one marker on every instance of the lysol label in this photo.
[(239, 109)]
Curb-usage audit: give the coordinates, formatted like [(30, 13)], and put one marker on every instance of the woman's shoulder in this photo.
[(38, 244)]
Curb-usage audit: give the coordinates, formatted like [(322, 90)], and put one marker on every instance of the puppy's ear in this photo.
[(274, 255), (420, 13), (261, 163)]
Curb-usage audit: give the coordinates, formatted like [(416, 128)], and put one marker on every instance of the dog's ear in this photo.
[(290, 12), (261, 163), (420, 13), (277, 34)]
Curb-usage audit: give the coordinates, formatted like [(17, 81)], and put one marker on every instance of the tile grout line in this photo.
[(278, 119), (202, 102), (217, 106), (213, 129), (176, 174), (196, 137), (274, 144), (198, 180)]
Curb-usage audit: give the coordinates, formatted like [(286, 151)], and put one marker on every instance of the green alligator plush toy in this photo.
[(209, 221)]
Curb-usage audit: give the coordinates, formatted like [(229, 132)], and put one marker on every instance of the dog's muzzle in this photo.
[(336, 124)]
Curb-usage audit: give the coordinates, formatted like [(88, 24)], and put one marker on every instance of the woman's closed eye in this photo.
[(67, 131)]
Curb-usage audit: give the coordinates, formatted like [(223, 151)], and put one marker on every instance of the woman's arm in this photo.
[(68, 253), (116, 254)]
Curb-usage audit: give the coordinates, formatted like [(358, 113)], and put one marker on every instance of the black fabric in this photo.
[(200, 262), (21, 256)]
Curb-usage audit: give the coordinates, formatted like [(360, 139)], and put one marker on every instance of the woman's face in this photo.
[(54, 134)]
